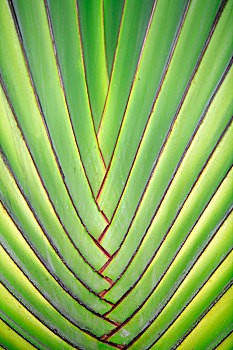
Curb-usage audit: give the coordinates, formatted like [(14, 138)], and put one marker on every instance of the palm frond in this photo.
[(116, 178)]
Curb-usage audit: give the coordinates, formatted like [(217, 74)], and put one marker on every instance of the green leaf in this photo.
[(116, 174)]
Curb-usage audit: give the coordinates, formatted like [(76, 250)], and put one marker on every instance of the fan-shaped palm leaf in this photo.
[(116, 178)]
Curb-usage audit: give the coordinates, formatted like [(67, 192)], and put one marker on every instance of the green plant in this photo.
[(116, 179)]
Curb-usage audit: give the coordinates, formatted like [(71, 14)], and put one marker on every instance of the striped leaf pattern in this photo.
[(116, 177)]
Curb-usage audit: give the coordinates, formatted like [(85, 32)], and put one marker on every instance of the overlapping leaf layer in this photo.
[(116, 177)]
